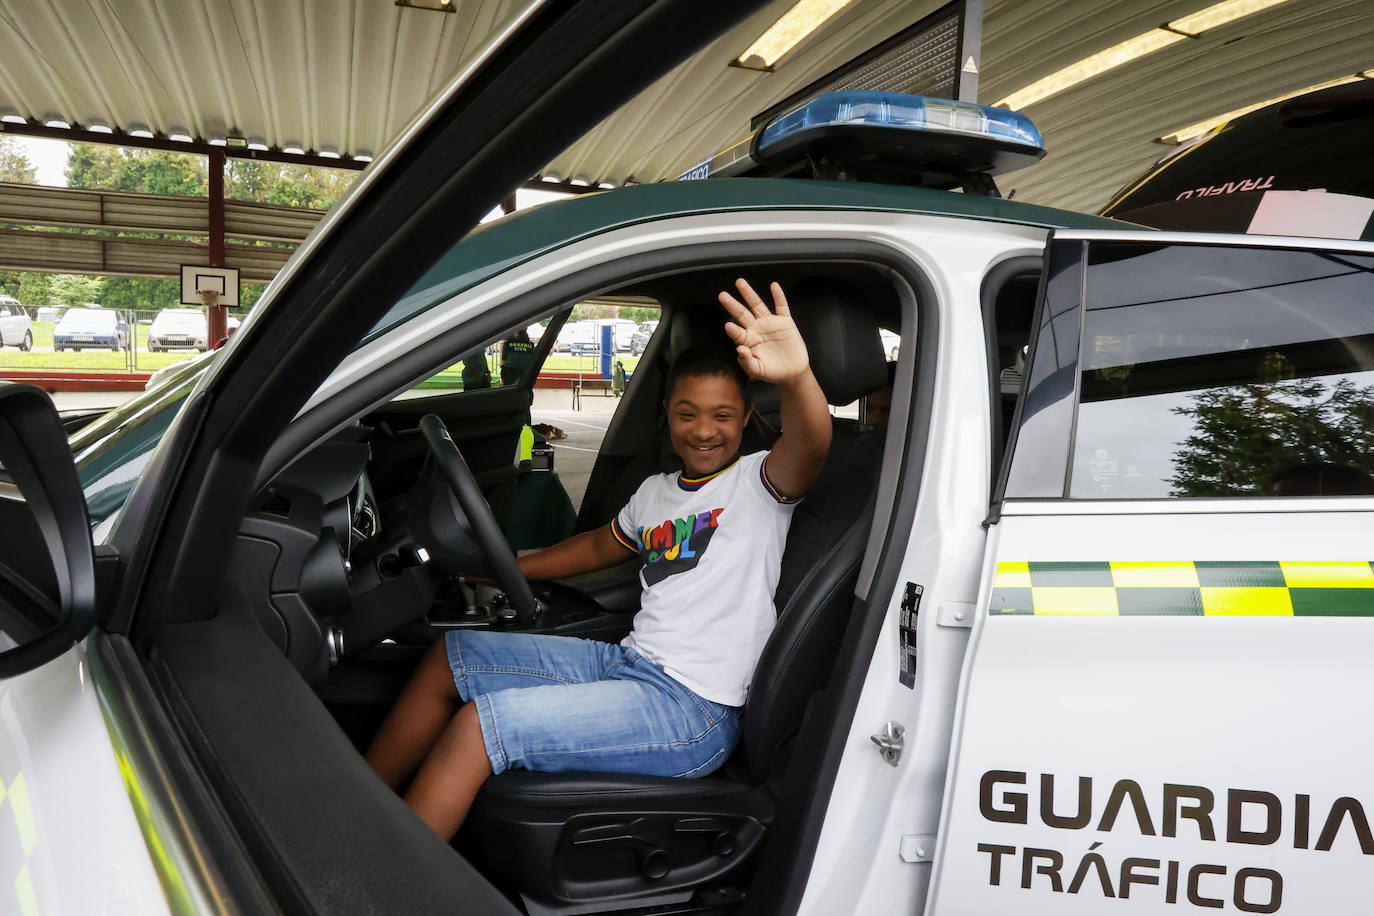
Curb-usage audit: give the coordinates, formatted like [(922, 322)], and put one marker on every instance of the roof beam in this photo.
[(194, 147)]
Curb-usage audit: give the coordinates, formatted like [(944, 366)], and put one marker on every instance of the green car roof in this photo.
[(500, 245)]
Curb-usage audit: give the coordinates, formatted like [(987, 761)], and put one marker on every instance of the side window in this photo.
[(1206, 371)]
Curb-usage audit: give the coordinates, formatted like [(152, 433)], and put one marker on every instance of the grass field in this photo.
[(43, 357)]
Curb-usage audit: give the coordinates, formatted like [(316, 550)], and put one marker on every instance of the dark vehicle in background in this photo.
[(1298, 167)]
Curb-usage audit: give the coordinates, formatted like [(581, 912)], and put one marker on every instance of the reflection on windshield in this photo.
[(112, 452), (1296, 437)]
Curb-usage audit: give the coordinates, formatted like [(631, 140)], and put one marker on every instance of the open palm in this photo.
[(768, 343)]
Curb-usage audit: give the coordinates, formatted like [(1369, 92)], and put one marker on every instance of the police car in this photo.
[(1083, 627)]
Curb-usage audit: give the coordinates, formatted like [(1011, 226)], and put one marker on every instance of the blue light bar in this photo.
[(906, 112)]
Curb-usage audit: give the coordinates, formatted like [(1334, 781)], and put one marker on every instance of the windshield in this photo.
[(87, 318), (178, 320), (112, 452)]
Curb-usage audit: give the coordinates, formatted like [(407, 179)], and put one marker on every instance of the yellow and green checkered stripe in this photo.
[(1211, 588)]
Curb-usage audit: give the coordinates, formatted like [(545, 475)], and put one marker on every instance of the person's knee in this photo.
[(435, 671)]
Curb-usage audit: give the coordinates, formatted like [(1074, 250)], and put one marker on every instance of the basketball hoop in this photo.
[(208, 297)]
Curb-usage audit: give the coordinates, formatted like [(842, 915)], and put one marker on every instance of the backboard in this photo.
[(223, 280)]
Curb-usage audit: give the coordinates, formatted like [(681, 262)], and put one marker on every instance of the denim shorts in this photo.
[(553, 703)]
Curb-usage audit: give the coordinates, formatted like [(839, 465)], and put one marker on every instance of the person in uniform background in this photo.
[(516, 353), (476, 374)]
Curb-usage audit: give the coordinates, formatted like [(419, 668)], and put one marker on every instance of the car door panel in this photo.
[(326, 834), (1177, 594)]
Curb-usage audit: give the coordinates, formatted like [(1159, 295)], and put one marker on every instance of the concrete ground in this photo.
[(574, 456)]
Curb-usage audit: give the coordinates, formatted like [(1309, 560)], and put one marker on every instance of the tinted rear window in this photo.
[(1210, 372)]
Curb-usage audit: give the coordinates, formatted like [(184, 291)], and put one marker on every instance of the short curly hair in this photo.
[(708, 359)]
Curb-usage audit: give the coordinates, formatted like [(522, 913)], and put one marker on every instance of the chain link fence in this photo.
[(73, 338)]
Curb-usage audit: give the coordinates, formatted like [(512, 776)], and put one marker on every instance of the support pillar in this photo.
[(216, 316)]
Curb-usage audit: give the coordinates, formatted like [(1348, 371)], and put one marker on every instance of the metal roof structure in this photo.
[(259, 238), (341, 77), (1099, 134)]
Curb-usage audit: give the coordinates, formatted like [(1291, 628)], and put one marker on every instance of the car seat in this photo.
[(580, 841)]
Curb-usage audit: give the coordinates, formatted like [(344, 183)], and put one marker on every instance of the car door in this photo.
[(1177, 593), (248, 797)]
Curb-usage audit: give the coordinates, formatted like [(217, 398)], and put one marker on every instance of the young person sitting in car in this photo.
[(666, 700)]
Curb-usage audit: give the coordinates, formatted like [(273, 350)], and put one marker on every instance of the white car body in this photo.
[(1014, 735), (175, 329), (16, 328)]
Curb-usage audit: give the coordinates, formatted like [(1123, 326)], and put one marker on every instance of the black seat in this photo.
[(567, 840)]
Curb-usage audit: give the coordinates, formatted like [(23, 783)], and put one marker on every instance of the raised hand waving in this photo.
[(768, 343)]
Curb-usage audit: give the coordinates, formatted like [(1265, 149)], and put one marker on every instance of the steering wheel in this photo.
[(485, 529)]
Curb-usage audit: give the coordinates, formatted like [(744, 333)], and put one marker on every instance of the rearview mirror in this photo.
[(44, 609)]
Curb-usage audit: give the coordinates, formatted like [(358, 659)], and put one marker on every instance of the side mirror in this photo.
[(36, 458)]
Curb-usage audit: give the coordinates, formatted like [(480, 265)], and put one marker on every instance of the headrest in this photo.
[(841, 337)]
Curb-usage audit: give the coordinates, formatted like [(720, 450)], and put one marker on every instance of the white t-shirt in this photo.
[(712, 550)]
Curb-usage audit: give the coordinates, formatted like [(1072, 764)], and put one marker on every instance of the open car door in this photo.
[(247, 794)]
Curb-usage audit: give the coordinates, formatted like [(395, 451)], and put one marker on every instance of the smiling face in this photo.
[(706, 417)]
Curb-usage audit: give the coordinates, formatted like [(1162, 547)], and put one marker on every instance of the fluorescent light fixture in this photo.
[(1221, 13), (1184, 134), (362, 157), (235, 142), (179, 134), (99, 127), (606, 186), (1132, 48), (257, 143), (13, 117), (785, 34), (57, 122), (328, 152), (550, 177), (218, 140), (293, 148), (1089, 67), (140, 130), (577, 182)]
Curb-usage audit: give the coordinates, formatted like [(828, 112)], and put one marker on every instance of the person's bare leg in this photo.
[(424, 709), (454, 770)]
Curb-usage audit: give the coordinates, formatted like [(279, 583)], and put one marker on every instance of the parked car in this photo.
[(1095, 630), (178, 329), (90, 327), (586, 338), (575, 336), (16, 328), (640, 338), (892, 344), (48, 313)]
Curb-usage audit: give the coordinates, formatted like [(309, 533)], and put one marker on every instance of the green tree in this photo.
[(141, 293), (73, 289), (114, 168), (286, 185), (1244, 435), (14, 163), (34, 289)]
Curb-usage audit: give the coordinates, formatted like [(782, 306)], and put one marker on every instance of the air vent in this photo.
[(275, 504)]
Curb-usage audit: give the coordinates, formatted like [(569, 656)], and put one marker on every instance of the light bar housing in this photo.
[(883, 136)]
